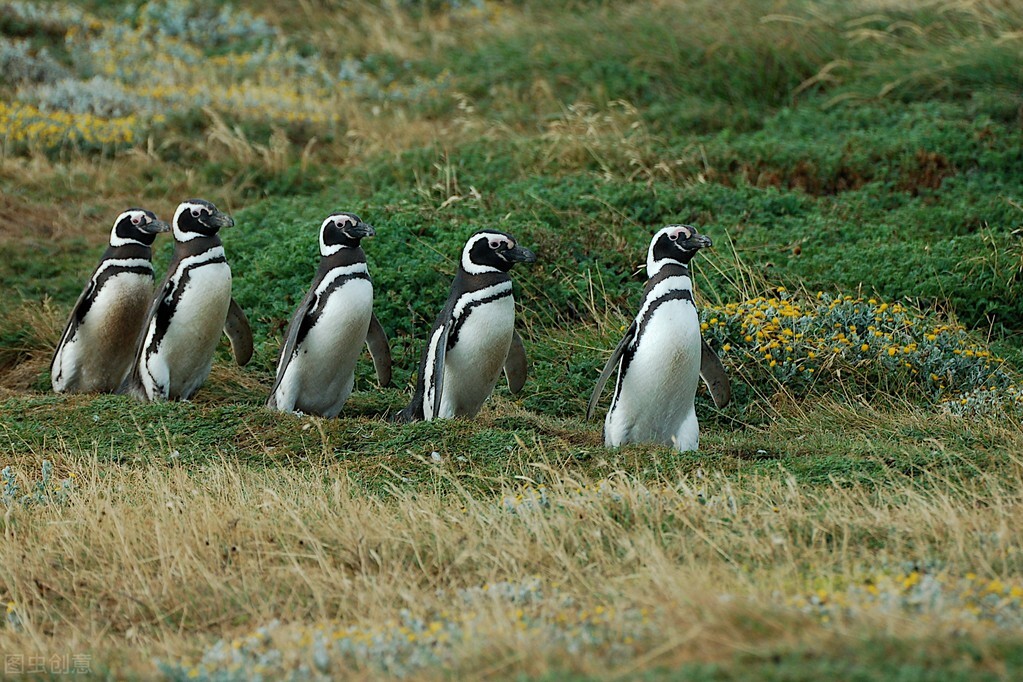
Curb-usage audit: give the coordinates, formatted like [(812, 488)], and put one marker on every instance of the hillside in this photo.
[(850, 514)]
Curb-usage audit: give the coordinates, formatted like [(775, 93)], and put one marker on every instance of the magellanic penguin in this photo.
[(662, 356), (97, 347), (192, 308), (316, 367), (474, 337)]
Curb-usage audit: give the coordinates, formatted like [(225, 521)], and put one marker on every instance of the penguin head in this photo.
[(136, 226), (493, 251), (674, 243), (342, 231), (198, 218)]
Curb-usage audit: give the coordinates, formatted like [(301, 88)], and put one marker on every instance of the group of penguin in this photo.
[(121, 338)]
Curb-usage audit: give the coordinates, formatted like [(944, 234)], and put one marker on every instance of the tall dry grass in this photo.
[(152, 561)]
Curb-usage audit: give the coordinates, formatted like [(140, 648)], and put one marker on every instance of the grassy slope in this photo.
[(732, 125)]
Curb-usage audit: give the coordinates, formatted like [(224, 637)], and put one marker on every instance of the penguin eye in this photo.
[(495, 244), (196, 213), (135, 220), (673, 236)]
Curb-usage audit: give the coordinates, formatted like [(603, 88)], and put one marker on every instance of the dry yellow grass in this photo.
[(148, 561)]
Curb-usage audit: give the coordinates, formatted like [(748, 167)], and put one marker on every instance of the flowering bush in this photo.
[(951, 599), (173, 57), (27, 126), (802, 344), (411, 643), (127, 76)]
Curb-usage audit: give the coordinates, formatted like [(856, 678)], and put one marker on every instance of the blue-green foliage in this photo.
[(44, 491)]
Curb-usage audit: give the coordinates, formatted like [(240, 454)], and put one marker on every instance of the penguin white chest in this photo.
[(473, 364), (321, 373), (656, 388), (194, 329)]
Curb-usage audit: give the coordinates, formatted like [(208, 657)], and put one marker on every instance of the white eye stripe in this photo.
[(338, 221), (679, 231), (498, 242)]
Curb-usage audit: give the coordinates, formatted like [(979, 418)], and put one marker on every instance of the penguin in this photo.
[(662, 355), (316, 367), (174, 353), (96, 349), (474, 336)]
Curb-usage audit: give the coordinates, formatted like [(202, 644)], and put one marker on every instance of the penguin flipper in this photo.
[(132, 385), (308, 302), (713, 374), (380, 350), (240, 334), (70, 329), (612, 363), (439, 354), (515, 364)]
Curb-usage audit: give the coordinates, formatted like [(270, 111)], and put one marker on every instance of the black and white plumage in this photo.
[(316, 367), (96, 349), (662, 356), (474, 336), (192, 307)]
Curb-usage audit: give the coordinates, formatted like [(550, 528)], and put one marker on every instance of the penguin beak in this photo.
[(520, 255), (218, 219), (362, 230), (156, 227), (696, 242)]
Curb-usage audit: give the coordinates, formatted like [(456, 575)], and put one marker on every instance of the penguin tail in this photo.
[(132, 386)]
